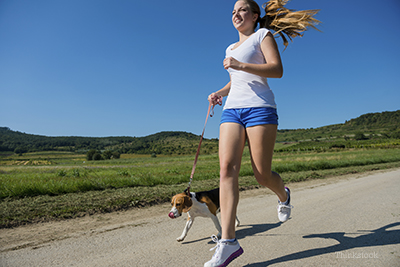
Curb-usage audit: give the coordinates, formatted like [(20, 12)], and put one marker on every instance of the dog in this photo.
[(201, 204)]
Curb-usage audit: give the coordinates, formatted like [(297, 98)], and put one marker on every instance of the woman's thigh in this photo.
[(261, 141), (231, 144)]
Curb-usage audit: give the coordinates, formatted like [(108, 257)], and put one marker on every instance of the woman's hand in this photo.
[(231, 62), (271, 69), (215, 99)]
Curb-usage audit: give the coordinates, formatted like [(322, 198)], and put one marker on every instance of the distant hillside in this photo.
[(385, 124), (159, 143), (375, 120), (377, 125)]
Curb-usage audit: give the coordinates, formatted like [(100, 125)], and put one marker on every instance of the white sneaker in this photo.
[(284, 209), (225, 253)]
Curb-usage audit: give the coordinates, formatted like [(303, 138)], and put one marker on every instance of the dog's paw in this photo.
[(180, 239)]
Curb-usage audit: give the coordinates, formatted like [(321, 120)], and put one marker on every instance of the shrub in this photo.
[(90, 154), (395, 135), (20, 150), (76, 173), (337, 146), (360, 136), (94, 154), (61, 173), (97, 156), (107, 154)]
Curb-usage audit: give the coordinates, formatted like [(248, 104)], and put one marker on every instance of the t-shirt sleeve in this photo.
[(261, 34)]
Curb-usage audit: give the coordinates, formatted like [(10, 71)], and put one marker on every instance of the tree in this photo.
[(360, 136), (97, 156), (90, 153), (116, 155), (20, 150), (396, 134), (107, 154)]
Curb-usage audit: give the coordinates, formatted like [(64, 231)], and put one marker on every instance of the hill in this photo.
[(160, 143), (385, 125), (379, 125)]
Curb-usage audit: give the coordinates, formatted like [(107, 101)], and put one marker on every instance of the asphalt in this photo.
[(343, 221)]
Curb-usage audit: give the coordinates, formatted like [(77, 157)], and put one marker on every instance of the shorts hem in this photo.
[(250, 117)]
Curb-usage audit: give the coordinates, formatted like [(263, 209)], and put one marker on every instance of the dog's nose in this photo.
[(171, 215)]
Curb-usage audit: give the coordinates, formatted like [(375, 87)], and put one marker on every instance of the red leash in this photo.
[(219, 102)]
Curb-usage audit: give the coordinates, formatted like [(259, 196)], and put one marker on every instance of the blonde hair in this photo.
[(288, 23)]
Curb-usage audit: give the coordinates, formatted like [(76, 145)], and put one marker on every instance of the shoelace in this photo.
[(217, 247), (282, 206), (215, 240)]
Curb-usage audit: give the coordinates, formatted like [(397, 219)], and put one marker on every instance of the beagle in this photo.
[(203, 204)]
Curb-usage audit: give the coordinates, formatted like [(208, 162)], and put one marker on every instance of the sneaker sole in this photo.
[(234, 255)]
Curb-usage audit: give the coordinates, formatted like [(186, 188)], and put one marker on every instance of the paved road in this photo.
[(346, 221)]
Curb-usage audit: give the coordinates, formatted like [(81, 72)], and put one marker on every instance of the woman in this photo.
[(250, 110)]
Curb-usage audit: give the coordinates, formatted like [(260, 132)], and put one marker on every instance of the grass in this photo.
[(28, 181), (71, 187)]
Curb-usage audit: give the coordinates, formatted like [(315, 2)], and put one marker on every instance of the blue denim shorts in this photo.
[(249, 117)]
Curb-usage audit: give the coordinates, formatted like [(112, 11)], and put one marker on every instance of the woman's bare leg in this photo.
[(231, 145), (261, 140)]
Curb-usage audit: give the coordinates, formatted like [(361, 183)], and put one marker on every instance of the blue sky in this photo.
[(135, 68)]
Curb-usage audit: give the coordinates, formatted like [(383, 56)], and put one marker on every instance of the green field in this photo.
[(46, 186), (52, 178)]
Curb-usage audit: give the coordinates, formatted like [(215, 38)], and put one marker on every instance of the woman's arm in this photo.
[(272, 69), (214, 98)]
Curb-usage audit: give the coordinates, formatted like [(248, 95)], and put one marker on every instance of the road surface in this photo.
[(342, 221)]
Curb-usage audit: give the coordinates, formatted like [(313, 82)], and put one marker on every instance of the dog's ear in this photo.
[(187, 204)]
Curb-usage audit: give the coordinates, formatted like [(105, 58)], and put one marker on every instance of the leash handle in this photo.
[(219, 102)]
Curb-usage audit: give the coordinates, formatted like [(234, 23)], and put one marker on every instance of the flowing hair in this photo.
[(288, 23)]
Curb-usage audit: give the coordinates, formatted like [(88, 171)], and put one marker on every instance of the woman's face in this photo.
[(242, 17)]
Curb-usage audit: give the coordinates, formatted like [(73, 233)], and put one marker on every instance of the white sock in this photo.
[(228, 240), (287, 200), (284, 203)]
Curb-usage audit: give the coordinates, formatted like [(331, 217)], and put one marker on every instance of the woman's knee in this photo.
[(226, 174), (229, 169)]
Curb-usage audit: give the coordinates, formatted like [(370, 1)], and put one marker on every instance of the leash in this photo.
[(219, 102)]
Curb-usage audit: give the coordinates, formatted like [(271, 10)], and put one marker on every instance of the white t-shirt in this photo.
[(249, 90)]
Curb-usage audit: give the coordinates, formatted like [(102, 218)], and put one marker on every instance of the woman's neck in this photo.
[(244, 35)]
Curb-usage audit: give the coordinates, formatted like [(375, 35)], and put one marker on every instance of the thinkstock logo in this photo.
[(356, 255)]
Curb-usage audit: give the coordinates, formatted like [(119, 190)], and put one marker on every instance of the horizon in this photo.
[(191, 132), (97, 68)]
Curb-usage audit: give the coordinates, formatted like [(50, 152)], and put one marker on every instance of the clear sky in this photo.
[(134, 68)]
